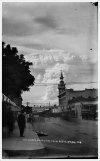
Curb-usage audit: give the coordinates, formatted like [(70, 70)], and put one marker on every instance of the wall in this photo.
[(85, 93), (70, 93)]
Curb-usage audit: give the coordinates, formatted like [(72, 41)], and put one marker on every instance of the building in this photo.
[(84, 107), (68, 94), (40, 108), (9, 103), (8, 107)]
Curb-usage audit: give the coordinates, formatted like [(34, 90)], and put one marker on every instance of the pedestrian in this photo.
[(21, 123)]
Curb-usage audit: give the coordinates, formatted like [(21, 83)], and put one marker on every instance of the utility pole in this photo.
[(49, 104), (27, 103)]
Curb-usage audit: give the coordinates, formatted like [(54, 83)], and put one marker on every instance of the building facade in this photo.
[(68, 94), (87, 108)]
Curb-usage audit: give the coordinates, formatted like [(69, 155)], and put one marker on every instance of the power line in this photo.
[(40, 103), (81, 82), (68, 83), (44, 84)]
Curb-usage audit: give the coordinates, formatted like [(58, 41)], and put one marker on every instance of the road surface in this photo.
[(73, 139)]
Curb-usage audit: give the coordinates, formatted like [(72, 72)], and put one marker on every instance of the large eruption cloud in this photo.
[(50, 63)]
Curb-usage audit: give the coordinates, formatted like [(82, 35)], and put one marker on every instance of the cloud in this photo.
[(47, 21), (51, 25), (39, 78), (21, 20), (54, 36), (48, 58), (33, 45), (14, 28), (52, 74), (21, 28), (78, 73), (47, 66), (60, 59), (49, 63), (51, 94), (67, 31)]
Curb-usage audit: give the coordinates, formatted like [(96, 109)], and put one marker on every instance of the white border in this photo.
[(1, 68)]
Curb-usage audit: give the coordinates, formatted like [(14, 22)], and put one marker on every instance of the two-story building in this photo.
[(67, 94)]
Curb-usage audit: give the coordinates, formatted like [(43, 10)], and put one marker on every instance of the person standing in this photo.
[(21, 123)]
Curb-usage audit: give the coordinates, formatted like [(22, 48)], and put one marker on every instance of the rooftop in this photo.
[(78, 99)]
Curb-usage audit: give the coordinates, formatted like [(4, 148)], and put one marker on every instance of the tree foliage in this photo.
[(16, 74), (28, 109)]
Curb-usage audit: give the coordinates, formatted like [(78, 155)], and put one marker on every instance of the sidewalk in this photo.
[(22, 146)]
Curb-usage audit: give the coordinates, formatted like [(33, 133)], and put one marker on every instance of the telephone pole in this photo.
[(27, 103), (49, 104)]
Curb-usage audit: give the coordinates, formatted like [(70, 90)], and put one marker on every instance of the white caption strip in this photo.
[(54, 141)]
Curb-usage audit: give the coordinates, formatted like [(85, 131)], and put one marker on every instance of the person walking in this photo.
[(21, 123)]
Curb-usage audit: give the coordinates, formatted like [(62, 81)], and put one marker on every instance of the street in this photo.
[(73, 139)]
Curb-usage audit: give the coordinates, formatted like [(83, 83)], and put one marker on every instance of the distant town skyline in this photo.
[(54, 36)]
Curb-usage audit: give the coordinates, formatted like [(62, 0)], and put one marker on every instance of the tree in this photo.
[(16, 74), (28, 109)]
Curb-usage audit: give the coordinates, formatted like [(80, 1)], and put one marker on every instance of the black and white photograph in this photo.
[(49, 80)]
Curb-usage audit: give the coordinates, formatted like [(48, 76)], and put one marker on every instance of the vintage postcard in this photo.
[(49, 80)]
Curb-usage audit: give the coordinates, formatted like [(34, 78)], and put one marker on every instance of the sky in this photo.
[(54, 36)]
